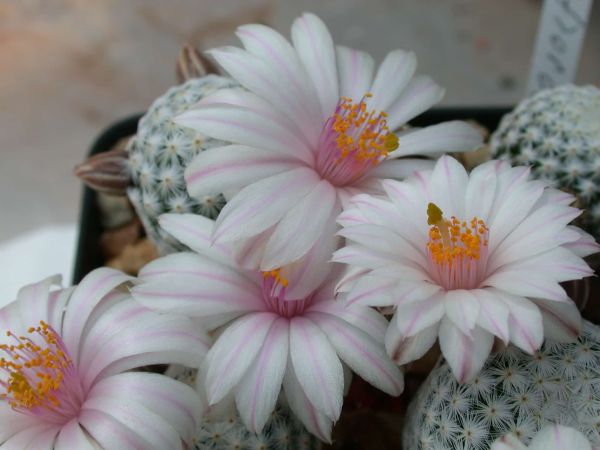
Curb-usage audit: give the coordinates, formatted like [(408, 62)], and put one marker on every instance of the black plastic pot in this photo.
[(89, 256)]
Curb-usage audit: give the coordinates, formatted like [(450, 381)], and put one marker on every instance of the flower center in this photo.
[(274, 291), (38, 375), (353, 140), (457, 251)]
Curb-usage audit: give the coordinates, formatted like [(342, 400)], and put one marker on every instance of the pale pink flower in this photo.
[(553, 437), (313, 127), (66, 379), (269, 336), (466, 258)]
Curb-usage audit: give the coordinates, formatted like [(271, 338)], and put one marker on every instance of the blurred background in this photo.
[(68, 68)]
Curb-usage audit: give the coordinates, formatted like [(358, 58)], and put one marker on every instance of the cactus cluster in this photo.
[(514, 393), (159, 154), (283, 431), (557, 133)]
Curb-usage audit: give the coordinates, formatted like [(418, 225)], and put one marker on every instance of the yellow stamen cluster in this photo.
[(276, 275), (35, 372), (453, 240), (374, 140)]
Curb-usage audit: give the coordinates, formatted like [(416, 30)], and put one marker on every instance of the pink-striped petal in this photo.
[(405, 350), (258, 77), (449, 181), (493, 314), (317, 53), (257, 394), (176, 404), (585, 245), (528, 284), (295, 235), (262, 204), (509, 442), (247, 127), (111, 433), (195, 231), (13, 422), (317, 366), (143, 425), (373, 290), (454, 136), (364, 355), (231, 356), (562, 321), (38, 437), (127, 337), (415, 316), (462, 308), (233, 167), (89, 293), (400, 168), (480, 192), (524, 323), (558, 437), (314, 420), (72, 436), (419, 95), (465, 354), (393, 75), (367, 319), (356, 69)]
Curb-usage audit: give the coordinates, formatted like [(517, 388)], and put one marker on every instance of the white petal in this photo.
[(315, 48), (465, 355), (454, 136), (372, 290), (136, 418), (448, 184), (528, 284), (355, 70), (509, 442), (231, 356), (257, 76), (562, 321), (524, 323), (420, 94), (480, 192), (73, 436), (367, 319), (13, 422), (260, 205), (415, 316), (362, 353), (232, 168), (493, 314), (317, 366), (462, 309), (585, 245), (405, 350), (175, 403), (247, 127), (88, 294), (295, 235), (38, 437), (195, 231), (271, 47), (400, 168), (559, 437), (257, 393), (111, 433), (393, 75), (314, 420)]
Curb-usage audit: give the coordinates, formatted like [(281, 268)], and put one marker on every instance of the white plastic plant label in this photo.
[(558, 45)]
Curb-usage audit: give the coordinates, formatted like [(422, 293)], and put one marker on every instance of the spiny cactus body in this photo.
[(557, 133), (282, 432), (159, 154), (514, 393)]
